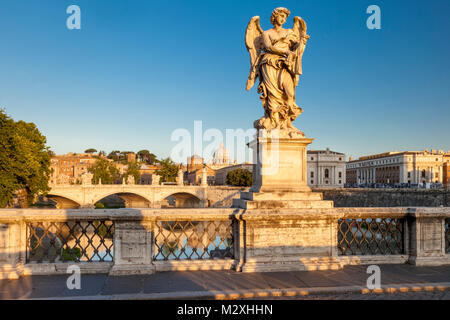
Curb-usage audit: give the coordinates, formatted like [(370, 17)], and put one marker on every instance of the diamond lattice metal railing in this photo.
[(371, 236), (193, 240), (87, 241), (447, 235)]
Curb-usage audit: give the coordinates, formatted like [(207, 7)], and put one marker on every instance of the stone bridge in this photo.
[(143, 196)]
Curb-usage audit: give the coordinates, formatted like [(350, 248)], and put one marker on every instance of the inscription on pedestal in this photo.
[(431, 236), (133, 244)]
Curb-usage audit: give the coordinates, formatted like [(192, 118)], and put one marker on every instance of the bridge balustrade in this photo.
[(133, 241)]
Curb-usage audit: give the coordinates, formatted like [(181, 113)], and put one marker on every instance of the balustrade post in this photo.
[(427, 237), (12, 248), (133, 247)]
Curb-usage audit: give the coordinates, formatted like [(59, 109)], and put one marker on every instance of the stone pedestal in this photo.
[(287, 240), (280, 176), (284, 225)]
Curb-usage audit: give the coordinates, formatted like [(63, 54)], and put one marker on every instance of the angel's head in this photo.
[(279, 16)]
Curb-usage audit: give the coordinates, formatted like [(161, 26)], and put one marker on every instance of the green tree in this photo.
[(168, 171), (91, 150), (133, 170), (152, 159), (147, 157), (24, 160), (114, 155), (240, 178), (143, 155), (105, 170)]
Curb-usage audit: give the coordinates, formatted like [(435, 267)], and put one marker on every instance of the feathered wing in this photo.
[(253, 42), (300, 30)]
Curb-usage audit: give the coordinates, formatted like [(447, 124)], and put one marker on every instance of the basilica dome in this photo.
[(221, 156)]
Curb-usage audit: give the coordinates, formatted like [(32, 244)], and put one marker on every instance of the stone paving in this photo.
[(434, 295), (198, 284)]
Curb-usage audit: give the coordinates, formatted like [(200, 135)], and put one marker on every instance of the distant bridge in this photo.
[(143, 196)]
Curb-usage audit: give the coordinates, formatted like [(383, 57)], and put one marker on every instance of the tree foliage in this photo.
[(114, 155), (24, 160), (105, 170), (90, 150), (168, 171), (240, 178), (147, 157), (133, 170), (119, 156)]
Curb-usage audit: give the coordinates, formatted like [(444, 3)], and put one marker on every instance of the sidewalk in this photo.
[(230, 284)]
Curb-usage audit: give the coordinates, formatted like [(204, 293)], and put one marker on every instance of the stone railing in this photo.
[(143, 241)]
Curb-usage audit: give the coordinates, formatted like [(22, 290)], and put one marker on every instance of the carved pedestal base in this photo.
[(280, 176), (288, 240), (10, 272)]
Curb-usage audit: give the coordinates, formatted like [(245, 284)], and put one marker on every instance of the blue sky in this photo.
[(138, 70)]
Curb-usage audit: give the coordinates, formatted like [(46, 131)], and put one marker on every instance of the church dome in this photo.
[(221, 156)]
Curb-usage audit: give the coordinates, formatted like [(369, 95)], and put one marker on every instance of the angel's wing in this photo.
[(300, 27), (253, 42), (300, 30)]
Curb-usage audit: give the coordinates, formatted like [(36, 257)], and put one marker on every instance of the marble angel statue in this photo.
[(276, 59)]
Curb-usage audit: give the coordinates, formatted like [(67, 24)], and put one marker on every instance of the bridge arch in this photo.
[(131, 199), (182, 200), (63, 201)]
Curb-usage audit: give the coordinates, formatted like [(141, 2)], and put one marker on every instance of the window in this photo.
[(437, 175), (312, 174), (423, 173), (327, 173), (340, 175), (409, 174), (340, 181), (312, 159), (312, 181)]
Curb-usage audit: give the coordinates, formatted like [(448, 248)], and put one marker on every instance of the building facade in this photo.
[(69, 168), (446, 169), (326, 168), (409, 167), (194, 177)]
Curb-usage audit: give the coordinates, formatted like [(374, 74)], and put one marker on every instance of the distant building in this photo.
[(131, 157), (446, 169), (194, 162), (147, 171), (409, 167), (194, 177), (69, 168), (326, 168)]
